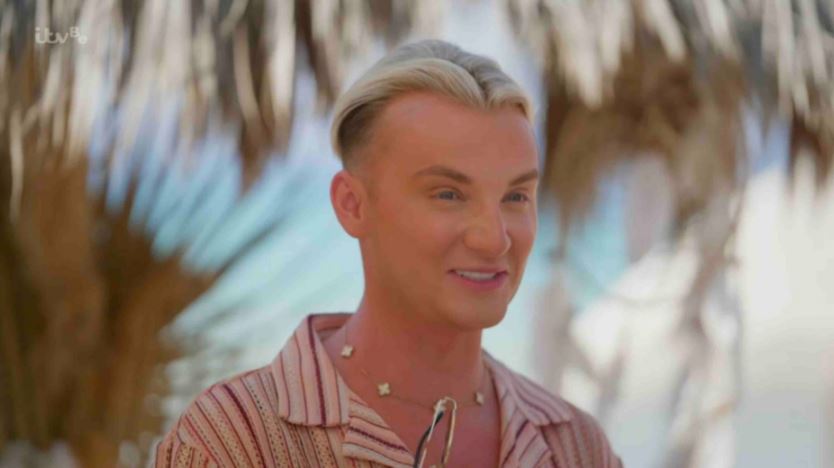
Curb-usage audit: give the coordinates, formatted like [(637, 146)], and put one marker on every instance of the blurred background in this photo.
[(165, 219)]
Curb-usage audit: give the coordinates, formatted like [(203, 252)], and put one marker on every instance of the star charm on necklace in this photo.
[(479, 398), (384, 389), (347, 351)]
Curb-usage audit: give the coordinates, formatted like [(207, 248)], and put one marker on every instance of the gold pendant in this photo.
[(384, 389), (347, 351), (479, 398)]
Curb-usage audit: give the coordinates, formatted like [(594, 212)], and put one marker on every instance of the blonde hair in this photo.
[(429, 65)]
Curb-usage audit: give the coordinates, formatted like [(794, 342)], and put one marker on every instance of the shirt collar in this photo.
[(523, 406), (516, 391), (312, 393)]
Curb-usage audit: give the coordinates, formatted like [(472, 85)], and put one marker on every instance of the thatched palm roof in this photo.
[(239, 59), (628, 76)]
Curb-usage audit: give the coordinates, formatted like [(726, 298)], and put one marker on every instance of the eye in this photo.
[(447, 195), (518, 197)]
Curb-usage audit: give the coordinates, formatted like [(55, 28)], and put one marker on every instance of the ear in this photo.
[(350, 202)]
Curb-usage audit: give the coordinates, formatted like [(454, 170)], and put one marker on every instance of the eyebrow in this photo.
[(444, 171)]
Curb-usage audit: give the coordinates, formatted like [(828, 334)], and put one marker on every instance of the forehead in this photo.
[(421, 129)]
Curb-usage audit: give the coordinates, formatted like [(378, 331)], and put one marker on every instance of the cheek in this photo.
[(432, 235), (417, 233)]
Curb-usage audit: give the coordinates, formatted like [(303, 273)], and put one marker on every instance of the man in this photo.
[(439, 187)]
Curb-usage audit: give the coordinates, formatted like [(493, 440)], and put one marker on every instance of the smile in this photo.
[(480, 280), (477, 275)]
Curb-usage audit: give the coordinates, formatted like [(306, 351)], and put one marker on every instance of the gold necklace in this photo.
[(384, 388)]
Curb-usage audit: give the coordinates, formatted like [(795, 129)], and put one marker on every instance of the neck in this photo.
[(423, 361)]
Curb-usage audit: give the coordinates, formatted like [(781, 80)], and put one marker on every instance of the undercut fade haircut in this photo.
[(432, 66)]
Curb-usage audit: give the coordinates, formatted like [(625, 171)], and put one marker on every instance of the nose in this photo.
[(488, 234)]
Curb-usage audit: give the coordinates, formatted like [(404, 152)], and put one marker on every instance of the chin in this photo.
[(472, 316)]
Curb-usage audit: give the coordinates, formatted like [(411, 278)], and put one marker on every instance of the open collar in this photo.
[(311, 393)]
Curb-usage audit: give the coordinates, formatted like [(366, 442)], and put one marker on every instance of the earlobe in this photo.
[(346, 196)]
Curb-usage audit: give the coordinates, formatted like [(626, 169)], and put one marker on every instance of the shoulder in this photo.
[(224, 425), (179, 450)]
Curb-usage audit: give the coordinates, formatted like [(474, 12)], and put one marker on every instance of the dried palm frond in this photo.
[(634, 75), (657, 108)]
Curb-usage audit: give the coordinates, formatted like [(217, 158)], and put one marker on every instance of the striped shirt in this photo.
[(298, 412)]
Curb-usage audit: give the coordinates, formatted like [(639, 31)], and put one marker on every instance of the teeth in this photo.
[(474, 275)]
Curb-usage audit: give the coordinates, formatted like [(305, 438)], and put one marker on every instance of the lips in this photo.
[(476, 276), (479, 280), (479, 274)]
